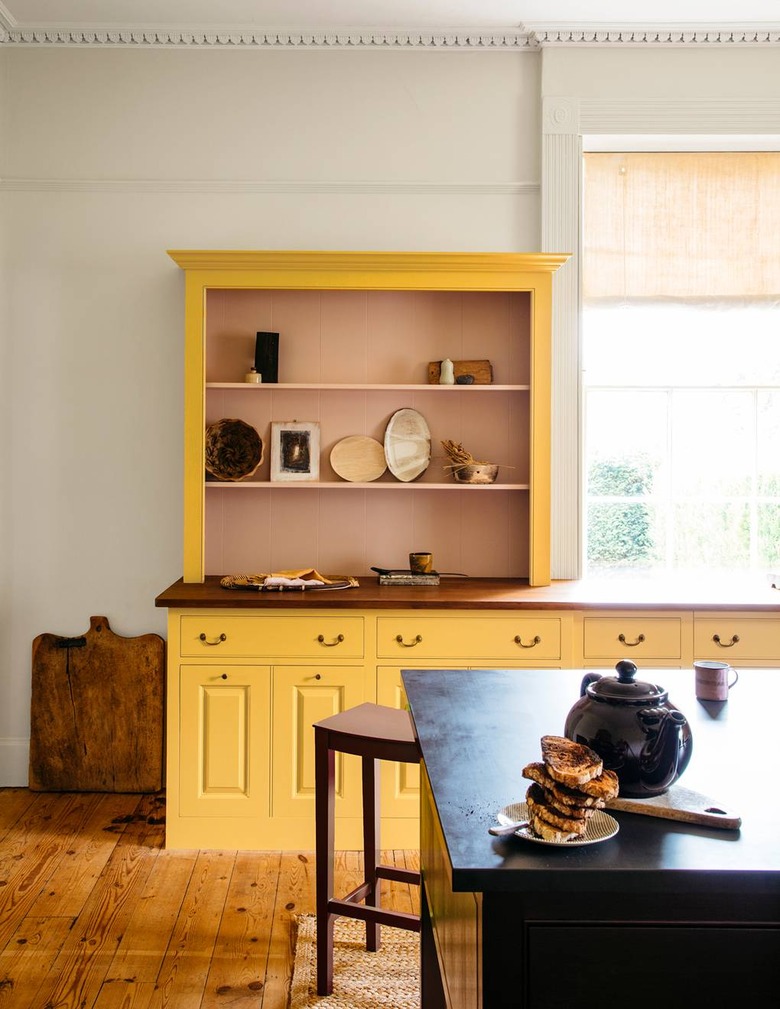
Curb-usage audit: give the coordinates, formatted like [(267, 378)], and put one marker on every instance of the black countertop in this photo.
[(478, 728)]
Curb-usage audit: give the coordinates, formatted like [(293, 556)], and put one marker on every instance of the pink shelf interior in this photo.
[(383, 338)]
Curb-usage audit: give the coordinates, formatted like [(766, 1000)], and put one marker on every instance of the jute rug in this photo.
[(361, 980)]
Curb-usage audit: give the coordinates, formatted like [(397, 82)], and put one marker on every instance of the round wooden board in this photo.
[(358, 459)]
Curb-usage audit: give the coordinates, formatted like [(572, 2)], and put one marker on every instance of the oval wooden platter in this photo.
[(358, 459), (407, 444)]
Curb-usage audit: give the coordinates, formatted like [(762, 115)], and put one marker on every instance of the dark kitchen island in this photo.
[(664, 914)]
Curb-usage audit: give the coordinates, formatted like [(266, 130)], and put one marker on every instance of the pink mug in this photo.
[(713, 680)]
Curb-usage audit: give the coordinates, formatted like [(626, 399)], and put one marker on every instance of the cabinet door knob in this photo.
[(205, 640), (408, 644), (224, 676), (725, 644), (631, 644), (535, 640), (330, 644)]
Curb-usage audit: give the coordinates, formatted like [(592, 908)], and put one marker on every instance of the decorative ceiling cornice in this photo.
[(652, 35), (529, 38)]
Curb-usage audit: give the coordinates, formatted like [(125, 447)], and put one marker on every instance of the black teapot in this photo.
[(634, 728)]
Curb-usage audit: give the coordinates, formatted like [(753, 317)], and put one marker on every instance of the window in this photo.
[(681, 354)]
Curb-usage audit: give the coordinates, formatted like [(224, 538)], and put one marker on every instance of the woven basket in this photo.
[(234, 449)]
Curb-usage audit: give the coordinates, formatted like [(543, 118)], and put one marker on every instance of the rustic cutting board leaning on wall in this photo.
[(97, 712)]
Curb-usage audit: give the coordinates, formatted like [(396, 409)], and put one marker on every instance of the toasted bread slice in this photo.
[(548, 831), (568, 762), (535, 800), (605, 786), (575, 812), (563, 794)]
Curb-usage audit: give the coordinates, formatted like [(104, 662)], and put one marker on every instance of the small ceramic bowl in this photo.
[(477, 473)]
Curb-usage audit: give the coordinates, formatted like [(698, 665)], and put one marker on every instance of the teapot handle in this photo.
[(587, 679)]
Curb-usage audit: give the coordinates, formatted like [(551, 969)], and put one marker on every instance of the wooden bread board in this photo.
[(358, 459), (481, 370), (682, 804), (97, 712)]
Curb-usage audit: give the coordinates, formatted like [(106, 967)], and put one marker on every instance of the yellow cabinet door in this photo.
[(223, 743), (303, 695), (400, 794)]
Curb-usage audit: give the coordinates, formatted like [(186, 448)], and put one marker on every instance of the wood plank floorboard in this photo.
[(96, 914)]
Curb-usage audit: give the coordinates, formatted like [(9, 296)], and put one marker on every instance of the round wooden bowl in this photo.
[(234, 449)]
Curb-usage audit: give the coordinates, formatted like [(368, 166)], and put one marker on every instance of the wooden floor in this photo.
[(96, 914)]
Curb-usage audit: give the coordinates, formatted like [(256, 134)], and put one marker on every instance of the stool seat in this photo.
[(373, 732), (373, 728)]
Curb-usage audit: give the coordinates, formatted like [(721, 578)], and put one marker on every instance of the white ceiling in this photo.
[(391, 14)]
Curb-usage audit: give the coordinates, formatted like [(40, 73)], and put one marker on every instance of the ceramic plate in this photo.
[(407, 444), (358, 459), (601, 826)]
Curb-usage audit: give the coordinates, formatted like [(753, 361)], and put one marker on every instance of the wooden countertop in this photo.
[(703, 593)]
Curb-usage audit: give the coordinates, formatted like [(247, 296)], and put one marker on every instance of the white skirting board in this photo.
[(14, 762)]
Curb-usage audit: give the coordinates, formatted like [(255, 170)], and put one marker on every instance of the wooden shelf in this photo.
[(366, 386), (346, 485)]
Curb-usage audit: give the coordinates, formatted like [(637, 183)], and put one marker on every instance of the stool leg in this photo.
[(324, 795), (371, 854)]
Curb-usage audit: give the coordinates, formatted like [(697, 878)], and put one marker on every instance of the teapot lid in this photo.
[(624, 687)]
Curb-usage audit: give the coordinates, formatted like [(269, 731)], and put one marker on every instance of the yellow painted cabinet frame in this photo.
[(382, 271)]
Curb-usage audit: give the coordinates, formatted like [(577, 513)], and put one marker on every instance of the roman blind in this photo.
[(681, 225)]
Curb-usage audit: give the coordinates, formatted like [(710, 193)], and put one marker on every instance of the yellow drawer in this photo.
[(632, 637), (469, 638), (326, 637), (732, 637)]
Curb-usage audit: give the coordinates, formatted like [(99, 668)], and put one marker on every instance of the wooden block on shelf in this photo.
[(481, 370)]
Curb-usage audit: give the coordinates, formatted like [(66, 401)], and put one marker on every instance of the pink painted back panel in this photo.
[(347, 532), (382, 338)]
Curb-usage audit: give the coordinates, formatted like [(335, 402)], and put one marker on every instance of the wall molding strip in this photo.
[(242, 186)]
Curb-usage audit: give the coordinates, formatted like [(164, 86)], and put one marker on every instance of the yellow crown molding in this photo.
[(274, 268)]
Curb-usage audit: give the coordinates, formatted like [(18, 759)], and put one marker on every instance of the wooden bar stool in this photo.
[(374, 733)]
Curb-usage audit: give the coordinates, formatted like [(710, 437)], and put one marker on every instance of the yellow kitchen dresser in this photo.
[(249, 672)]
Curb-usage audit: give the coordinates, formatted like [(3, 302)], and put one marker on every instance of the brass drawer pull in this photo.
[(416, 640), (330, 644), (631, 644), (725, 644), (220, 639), (536, 640)]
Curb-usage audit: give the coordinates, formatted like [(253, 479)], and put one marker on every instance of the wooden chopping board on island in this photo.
[(682, 804)]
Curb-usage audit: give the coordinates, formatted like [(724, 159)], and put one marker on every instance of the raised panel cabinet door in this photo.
[(224, 740), (303, 695), (400, 795)]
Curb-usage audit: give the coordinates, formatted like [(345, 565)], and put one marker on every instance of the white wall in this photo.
[(110, 158)]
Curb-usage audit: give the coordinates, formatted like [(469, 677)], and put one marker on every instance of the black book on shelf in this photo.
[(267, 356)]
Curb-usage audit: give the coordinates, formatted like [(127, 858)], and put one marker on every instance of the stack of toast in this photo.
[(569, 785)]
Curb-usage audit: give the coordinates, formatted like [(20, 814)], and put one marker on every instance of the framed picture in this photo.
[(295, 450)]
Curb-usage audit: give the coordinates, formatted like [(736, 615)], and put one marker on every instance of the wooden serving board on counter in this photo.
[(681, 804), (97, 712)]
